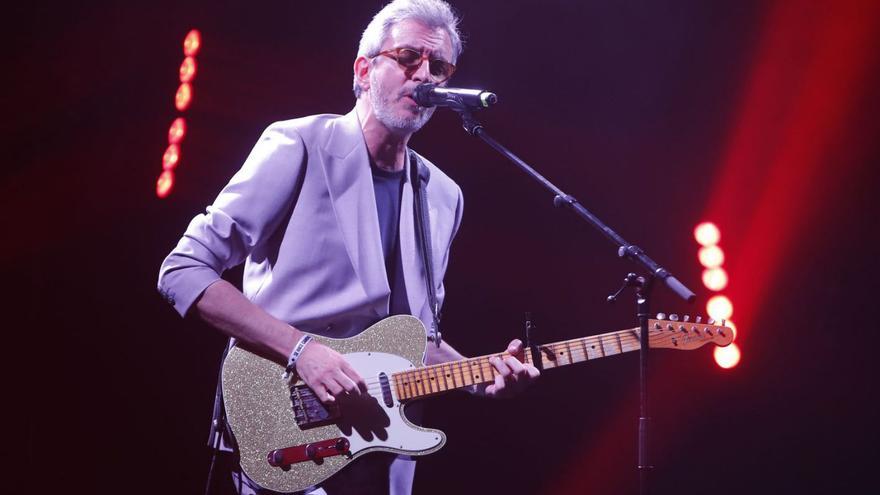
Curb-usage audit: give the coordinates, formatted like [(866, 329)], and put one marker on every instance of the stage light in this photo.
[(719, 308), (187, 69), (707, 234), (727, 357), (192, 43), (183, 97), (177, 130), (171, 157), (715, 278), (711, 256), (164, 184)]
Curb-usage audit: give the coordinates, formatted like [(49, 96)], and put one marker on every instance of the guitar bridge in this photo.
[(309, 411)]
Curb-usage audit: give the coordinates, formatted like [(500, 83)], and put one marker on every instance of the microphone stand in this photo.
[(642, 285)]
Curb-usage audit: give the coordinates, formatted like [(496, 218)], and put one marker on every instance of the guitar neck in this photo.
[(439, 378)]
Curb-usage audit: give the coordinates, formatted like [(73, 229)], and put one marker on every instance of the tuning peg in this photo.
[(661, 316), (711, 321), (723, 322), (673, 317), (686, 318), (699, 319)]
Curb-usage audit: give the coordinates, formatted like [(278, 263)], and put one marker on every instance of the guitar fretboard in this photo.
[(439, 378)]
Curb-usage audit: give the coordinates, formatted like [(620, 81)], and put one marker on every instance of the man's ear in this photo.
[(362, 72)]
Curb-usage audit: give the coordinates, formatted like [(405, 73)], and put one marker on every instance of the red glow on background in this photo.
[(719, 308), (809, 74), (187, 69), (164, 184), (177, 130), (183, 97), (715, 278), (192, 43), (727, 357), (171, 157), (711, 256), (707, 234)]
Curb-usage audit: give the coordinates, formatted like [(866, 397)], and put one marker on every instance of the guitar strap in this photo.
[(423, 231)]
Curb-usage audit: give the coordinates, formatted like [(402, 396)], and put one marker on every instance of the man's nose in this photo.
[(422, 72)]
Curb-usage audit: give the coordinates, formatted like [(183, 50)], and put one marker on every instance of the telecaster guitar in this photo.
[(288, 440)]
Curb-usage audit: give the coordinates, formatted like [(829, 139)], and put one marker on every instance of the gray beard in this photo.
[(381, 102)]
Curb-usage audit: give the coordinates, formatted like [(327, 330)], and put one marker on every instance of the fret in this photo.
[(632, 341), (451, 382), (404, 382), (488, 371), (593, 352), (442, 373), (619, 342), (608, 345), (473, 371), (446, 372), (398, 389), (464, 369), (564, 354), (407, 384), (435, 380), (420, 385), (527, 356), (430, 379), (426, 381), (548, 357), (583, 350), (573, 352)]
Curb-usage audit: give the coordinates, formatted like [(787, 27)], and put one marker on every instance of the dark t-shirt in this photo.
[(388, 187)]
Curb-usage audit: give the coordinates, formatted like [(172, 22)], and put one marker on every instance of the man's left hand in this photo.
[(513, 375)]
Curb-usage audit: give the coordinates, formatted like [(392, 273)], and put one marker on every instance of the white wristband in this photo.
[(290, 370)]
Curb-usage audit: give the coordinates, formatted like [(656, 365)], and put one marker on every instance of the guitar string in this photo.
[(628, 341), (577, 355)]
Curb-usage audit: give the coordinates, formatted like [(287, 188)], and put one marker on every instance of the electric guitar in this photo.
[(289, 441)]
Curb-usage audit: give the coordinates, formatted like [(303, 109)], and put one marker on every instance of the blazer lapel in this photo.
[(347, 169)]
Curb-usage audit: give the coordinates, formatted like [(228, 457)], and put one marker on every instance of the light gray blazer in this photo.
[(301, 213)]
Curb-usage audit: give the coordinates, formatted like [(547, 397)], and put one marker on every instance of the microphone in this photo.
[(430, 95)]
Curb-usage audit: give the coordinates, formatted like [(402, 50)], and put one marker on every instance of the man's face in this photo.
[(391, 85)]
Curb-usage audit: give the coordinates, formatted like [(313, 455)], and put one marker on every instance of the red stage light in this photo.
[(183, 97), (715, 278), (187, 69), (177, 130), (719, 308), (164, 184), (192, 43), (171, 157), (727, 357), (711, 256), (707, 234)]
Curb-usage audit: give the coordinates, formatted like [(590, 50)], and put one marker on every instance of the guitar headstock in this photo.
[(673, 332)]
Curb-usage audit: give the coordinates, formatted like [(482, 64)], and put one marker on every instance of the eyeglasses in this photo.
[(411, 60)]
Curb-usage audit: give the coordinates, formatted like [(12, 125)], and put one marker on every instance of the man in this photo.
[(322, 214)]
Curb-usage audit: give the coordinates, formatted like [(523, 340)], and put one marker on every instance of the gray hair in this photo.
[(432, 13)]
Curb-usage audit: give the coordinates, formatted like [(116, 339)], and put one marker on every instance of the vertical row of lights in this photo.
[(719, 306), (182, 99)]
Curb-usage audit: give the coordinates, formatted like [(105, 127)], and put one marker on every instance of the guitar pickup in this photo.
[(283, 458)]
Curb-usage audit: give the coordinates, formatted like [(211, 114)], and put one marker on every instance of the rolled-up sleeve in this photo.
[(245, 212)]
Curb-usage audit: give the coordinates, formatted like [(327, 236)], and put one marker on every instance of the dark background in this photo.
[(760, 116)]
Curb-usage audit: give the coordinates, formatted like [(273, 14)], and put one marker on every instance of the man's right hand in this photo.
[(328, 373)]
